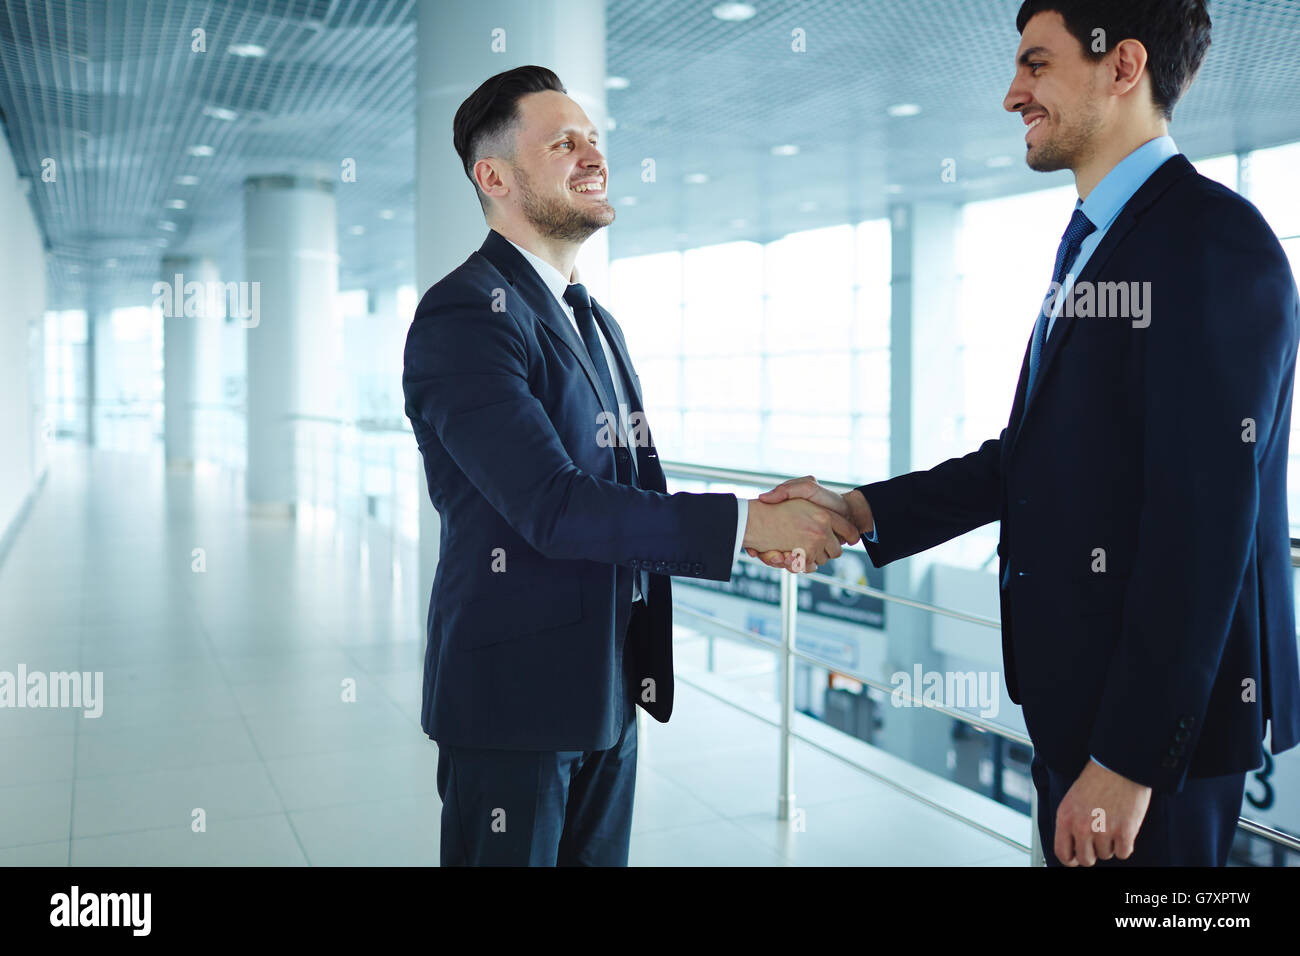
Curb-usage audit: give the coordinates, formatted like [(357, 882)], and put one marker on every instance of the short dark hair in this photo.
[(1176, 34), (493, 109)]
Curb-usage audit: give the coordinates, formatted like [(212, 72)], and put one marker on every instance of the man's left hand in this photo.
[(1099, 817)]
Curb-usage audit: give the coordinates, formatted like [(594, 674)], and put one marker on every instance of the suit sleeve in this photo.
[(466, 377), (925, 508), (1219, 356)]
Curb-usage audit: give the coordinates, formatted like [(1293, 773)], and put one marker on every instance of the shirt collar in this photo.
[(551, 276), (1104, 203)]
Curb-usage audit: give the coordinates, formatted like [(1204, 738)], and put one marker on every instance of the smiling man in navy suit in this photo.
[(551, 614), (1148, 626)]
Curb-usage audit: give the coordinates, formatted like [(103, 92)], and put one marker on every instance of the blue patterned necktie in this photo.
[(1079, 229)]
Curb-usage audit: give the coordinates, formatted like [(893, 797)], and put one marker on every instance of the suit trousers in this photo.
[(539, 807), (1193, 827)]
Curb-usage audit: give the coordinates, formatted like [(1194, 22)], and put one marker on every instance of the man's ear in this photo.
[(490, 177), (1128, 64)]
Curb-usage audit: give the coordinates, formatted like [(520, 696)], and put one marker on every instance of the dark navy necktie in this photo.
[(1079, 229), (576, 295)]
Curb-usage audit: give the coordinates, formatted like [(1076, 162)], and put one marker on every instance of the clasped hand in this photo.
[(799, 525)]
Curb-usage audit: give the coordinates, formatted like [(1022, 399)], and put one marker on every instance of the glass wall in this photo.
[(769, 357), (65, 373), (128, 379)]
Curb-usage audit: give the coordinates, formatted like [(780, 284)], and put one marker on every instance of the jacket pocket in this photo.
[(510, 615)]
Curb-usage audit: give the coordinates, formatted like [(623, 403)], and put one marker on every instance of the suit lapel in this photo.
[(647, 456), (1170, 172), (523, 278), (614, 336)]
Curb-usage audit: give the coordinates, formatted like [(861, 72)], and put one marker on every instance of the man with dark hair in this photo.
[(485, 123), (1148, 626), (551, 613), (1174, 33)]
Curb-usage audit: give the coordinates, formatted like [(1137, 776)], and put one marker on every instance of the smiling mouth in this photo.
[(1038, 120), (590, 188)]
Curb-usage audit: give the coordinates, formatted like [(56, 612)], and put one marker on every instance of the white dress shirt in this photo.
[(558, 283)]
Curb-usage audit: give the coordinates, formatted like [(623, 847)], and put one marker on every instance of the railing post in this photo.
[(789, 612)]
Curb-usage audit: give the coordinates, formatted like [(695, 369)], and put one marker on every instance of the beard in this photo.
[(1071, 144), (557, 219)]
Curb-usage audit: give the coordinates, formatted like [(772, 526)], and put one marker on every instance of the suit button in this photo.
[(1181, 736), (697, 568), (672, 566), (1169, 763), (1175, 751), (1022, 574), (635, 563), (660, 567), (1186, 722)]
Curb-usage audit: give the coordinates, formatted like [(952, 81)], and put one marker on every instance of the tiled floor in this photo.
[(225, 738)]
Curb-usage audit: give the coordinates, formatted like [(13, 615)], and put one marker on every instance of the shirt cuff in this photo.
[(742, 518), (1100, 764)]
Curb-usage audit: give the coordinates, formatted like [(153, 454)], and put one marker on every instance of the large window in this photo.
[(1005, 254), (770, 356), (65, 373), (129, 379), (128, 376)]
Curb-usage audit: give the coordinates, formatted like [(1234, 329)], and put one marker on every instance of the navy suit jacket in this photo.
[(1136, 442), (508, 412)]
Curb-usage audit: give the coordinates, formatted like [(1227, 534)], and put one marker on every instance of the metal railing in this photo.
[(788, 654)]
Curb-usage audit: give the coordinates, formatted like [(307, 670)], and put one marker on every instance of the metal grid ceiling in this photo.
[(113, 93)]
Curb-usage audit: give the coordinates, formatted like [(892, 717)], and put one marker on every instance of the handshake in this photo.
[(799, 525)]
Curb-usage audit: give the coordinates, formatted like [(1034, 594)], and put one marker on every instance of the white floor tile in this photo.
[(251, 841), (403, 832), (169, 798)]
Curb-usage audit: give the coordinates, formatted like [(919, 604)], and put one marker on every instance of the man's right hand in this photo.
[(800, 528), (852, 506)]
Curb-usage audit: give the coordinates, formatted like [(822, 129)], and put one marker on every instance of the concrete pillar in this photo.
[(925, 400), (190, 281), (458, 46), (925, 366), (291, 254)]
